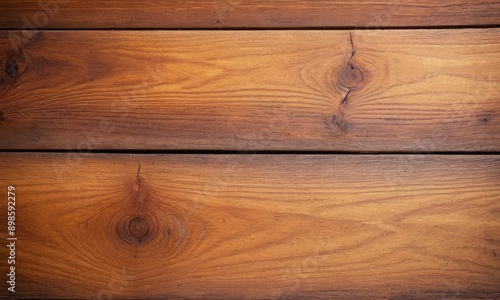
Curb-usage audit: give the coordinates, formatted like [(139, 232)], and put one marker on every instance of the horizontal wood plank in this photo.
[(253, 226), (411, 90), (72, 14)]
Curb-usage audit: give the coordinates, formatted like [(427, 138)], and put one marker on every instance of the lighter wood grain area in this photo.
[(417, 90), (255, 226), (246, 13)]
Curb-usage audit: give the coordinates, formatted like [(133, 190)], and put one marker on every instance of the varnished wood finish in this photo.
[(281, 225), (411, 90), (255, 226), (247, 13)]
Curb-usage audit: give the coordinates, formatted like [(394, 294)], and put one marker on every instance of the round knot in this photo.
[(136, 229), (350, 76)]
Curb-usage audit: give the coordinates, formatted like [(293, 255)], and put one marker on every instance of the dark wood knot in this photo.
[(15, 65), (137, 229), (12, 67), (350, 76)]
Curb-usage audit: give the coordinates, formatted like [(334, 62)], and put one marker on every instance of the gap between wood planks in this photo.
[(335, 28), (249, 152)]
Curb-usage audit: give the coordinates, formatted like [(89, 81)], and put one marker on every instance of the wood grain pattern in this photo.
[(247, 13), (255, 226), (416, 90)]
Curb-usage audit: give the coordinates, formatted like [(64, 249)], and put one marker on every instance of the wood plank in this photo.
[(254, 226), (398, 90), (247, 13)]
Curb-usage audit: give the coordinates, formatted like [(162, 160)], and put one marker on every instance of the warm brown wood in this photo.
[(213, 226), (247, 13), (254, 226), (412, 90)]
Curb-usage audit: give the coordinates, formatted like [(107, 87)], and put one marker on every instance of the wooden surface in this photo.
[(255, 226), (398, 90), (247, 13), (314, 77)]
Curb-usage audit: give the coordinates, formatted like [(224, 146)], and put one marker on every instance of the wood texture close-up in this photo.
[(250, 149), (397, 90), (153, 14), (255, 226)]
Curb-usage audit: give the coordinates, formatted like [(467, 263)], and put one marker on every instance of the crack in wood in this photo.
[(353, 49), (138, 171), (350, 77)]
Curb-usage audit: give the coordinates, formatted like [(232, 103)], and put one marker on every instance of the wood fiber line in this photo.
[(411, 90), (255, 226), (247, 13)]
